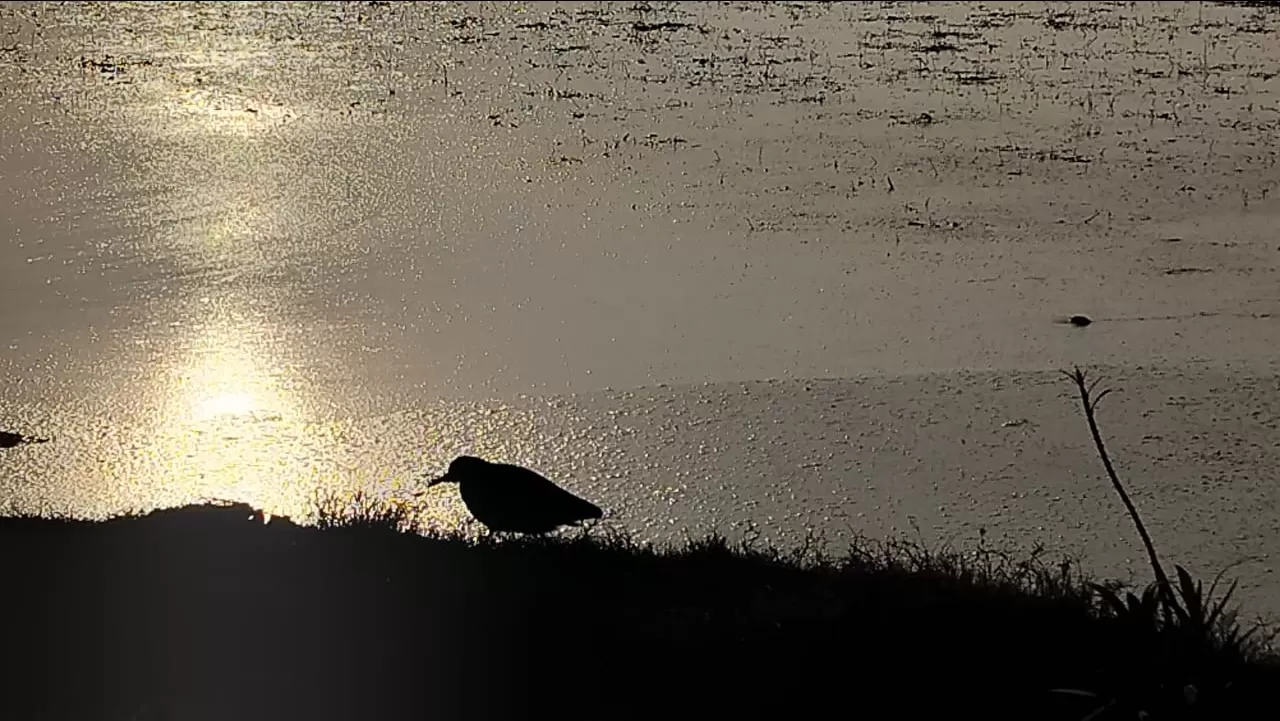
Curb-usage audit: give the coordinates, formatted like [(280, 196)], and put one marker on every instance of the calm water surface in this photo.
[(796, 266)]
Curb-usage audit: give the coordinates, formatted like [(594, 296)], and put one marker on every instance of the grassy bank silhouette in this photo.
[(208, 612)]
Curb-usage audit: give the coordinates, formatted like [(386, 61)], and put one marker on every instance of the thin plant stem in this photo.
[(1090, 403)]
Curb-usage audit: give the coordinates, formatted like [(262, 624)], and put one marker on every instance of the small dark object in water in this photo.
[(509, 498), (1080, 320), (10, 440)]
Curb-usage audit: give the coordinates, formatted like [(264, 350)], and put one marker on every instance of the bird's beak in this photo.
[(438, 481)]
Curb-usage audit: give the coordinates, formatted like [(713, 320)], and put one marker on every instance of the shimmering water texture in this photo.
[(791, 266)]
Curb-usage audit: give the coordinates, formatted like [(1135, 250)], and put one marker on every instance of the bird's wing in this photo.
[(540, 488)]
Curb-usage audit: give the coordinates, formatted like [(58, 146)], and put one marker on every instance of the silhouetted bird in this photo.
[(508, 498), (9, 440)]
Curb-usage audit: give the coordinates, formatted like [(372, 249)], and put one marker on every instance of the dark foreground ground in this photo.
[(204, 613)]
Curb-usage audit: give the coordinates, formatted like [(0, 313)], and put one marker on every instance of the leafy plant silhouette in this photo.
[(1195, 642)]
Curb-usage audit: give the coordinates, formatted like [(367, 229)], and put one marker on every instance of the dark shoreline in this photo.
[(204, 612)]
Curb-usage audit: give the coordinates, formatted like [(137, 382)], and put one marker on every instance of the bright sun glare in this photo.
[(224, 404)]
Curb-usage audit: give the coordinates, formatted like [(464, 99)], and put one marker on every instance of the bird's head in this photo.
[(461, 468)]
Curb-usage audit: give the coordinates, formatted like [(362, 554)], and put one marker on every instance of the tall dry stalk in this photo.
[(1090, 403)]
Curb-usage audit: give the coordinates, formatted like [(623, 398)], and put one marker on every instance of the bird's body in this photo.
[(512, 499)]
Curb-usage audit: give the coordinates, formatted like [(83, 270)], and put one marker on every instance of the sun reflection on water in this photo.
[(233, 424), (227, 409), (225, 372), (236, 424), (226, 425), (224, 404)]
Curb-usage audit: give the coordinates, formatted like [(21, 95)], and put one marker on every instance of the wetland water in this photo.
[(798, 266)]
